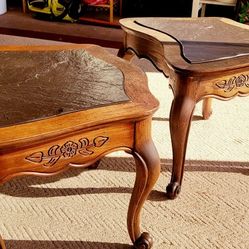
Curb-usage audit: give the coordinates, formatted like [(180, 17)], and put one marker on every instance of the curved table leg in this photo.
[(2, 245), (125, 53), (147, 173), (180, 120), (207, 108)]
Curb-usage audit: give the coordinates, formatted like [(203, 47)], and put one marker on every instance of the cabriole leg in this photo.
[(180, 120), (2, 245), (147, 173)]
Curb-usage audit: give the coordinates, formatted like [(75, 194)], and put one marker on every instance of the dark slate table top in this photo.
[(40, 84), (202, 39)]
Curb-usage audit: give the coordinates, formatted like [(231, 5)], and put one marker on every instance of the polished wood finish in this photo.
[(224, 74), (24, 6), (76, 123), (2, 245), (111, 5)]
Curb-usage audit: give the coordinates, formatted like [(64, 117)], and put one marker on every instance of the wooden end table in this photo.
[(68, 106), (203, 57)]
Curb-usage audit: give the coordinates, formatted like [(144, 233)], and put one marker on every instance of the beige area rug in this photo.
[(86, 209)]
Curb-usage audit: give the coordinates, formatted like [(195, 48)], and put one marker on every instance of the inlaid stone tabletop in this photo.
[(37, 85), (68, 106), (212, 39), (203, 57)]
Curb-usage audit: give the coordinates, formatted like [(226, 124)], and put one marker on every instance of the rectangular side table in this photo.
[(68, 106), (203, 57)]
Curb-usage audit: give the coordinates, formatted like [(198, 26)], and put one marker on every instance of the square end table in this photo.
[(68, 106), (204, 58)]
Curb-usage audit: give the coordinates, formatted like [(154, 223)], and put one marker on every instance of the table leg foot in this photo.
[(145, 241), (172, 190)]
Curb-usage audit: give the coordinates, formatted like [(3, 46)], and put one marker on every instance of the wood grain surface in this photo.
[(203, 57), (68, 106)]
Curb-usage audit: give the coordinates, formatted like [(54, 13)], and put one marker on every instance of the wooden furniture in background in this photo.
[(203, 57), (197, 3), (24, 6), (103, 106), (110, 6)]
